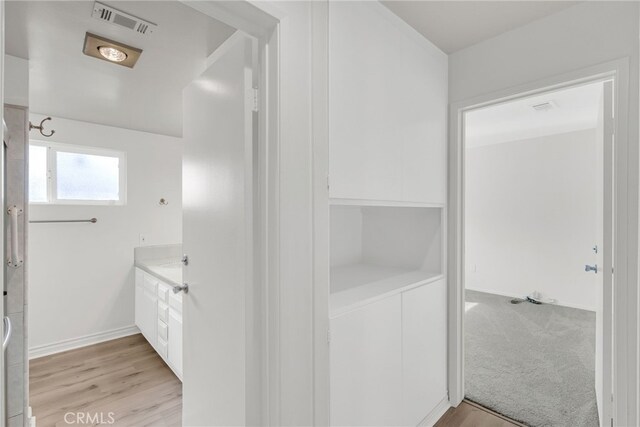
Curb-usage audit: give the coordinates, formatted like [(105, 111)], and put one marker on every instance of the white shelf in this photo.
[(388, 203), (355, 285)]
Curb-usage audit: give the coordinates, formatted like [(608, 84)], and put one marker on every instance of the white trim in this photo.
[(504, 294), (3, 371), (436, 413), (320, 212), (336, 201), (625, 211), (73, 343)]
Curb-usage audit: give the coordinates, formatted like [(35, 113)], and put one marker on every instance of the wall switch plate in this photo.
[(143, 240)]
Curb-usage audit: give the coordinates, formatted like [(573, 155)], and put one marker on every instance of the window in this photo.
[(71, 174)]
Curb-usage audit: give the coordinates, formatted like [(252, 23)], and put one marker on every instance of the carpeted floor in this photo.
[(532, 363)]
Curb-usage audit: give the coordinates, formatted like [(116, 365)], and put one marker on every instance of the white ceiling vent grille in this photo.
[(117, 17), (544, 106)]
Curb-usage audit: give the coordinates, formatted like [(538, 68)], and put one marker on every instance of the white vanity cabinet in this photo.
[(158, 315)]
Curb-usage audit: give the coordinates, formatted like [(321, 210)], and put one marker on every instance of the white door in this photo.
[(217, 220), (604, 275)]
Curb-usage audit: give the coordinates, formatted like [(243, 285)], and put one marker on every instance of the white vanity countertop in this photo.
[(163, 262), (167, 270)]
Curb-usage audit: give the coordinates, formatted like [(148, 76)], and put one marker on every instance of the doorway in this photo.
[(142, 161), (614, 76), (534, 212)]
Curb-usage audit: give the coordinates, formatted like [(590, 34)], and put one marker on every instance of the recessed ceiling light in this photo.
[(109, 50), (112, 54)]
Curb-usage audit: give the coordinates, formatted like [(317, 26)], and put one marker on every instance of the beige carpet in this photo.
[(532, 363)]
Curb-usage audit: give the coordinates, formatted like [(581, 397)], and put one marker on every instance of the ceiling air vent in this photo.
[(109, 14), (544, 106)]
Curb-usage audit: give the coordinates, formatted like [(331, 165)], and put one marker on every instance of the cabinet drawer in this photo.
[(162, 348), (175, 301), (163, 292), (163, 330), (149, 283), (163, 312)]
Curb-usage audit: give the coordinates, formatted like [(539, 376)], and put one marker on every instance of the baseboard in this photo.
[(502, 294), (436, 413), (70, 344)]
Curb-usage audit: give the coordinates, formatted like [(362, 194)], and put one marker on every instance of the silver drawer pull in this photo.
[(184, 288)]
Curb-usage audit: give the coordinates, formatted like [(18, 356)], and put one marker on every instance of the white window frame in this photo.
[(52, 188)]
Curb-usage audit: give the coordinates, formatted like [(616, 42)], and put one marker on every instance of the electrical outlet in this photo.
[(143, 240)]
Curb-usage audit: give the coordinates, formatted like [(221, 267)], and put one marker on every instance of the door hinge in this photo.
[(256, 99), (327, 182), (328, 336)]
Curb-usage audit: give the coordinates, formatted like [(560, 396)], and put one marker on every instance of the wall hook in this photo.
[(163, 202), (41, 128)]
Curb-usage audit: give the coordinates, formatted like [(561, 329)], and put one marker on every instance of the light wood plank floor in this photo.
[(469, 414), (125, 377)]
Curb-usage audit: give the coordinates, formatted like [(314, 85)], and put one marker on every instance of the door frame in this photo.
[(289, 126), (266, 24), (625, 219), (3, 372)]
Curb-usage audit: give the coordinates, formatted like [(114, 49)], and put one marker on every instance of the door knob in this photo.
[(182, 288), (593, 268)]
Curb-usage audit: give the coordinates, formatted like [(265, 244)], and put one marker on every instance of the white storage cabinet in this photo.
[(387, 194)]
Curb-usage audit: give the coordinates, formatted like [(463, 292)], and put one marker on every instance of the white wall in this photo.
[(81, 275), (531, 217), (16, 81), (584, 35)]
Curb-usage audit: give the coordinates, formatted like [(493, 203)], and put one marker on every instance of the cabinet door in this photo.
[(388, 143), (366, 365), (175, 340), (424, 350), (149, 316), (139, 288), (139, 307)]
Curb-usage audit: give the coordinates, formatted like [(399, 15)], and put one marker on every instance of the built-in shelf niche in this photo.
[(377, 250)]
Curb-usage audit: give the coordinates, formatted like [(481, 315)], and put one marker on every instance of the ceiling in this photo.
[(66, 83), (574, 109), (455, 25)]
